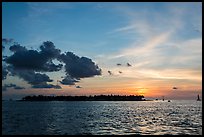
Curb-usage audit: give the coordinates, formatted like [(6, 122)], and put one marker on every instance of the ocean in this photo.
[(178, 117)]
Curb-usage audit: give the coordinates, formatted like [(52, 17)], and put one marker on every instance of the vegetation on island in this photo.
[(85, 98)]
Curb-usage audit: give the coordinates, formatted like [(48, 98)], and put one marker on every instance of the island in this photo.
[(85, 98)]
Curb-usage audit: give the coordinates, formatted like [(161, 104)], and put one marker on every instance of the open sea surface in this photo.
[(178, 117)]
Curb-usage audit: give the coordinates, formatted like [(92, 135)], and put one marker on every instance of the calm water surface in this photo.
[(102, 118)]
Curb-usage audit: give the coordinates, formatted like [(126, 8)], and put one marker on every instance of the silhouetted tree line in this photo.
[(84, 98)]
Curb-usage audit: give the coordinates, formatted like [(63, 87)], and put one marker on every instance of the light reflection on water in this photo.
[(102, 118)]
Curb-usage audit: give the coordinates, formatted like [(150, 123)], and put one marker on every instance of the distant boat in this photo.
[(198, 99), (169, 101)]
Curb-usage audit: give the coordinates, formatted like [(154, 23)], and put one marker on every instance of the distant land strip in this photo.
[(85, 98)]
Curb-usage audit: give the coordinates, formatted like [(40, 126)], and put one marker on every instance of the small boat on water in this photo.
[(198, 99), (169, 101)]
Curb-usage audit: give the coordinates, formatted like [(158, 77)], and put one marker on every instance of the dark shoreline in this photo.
[(85, 98)]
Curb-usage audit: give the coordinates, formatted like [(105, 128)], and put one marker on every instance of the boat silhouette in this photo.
[(198, 99)]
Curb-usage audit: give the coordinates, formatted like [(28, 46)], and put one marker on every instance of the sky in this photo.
[(91, 48)]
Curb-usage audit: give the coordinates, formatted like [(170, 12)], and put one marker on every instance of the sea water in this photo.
[(178, 117)]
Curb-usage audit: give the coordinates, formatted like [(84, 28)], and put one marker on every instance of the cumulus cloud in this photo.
[(37, 80), (7, 40), (34, 60), (4, 88), (78, 67), (32, 77), (4, 73), (31, 64), (69, 81), (17, 48), (4, 57), (48, 50), (45, 85)]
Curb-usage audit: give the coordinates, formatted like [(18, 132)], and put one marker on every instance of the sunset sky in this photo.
[(90, 48)]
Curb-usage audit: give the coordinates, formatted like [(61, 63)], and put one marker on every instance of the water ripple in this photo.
[(102, 118)]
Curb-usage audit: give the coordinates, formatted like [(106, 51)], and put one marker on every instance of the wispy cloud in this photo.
[(140, 49), (45, 8), (163, 50)]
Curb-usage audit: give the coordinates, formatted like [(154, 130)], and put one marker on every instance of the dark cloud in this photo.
[(7, 40), (29, 65), (37, 80), (4, 72), (18, 87), (33, 78), (49, 51), (129, 65), (69, 81), (110, 73), (57, 87), (9, 85), (4, 57), (45, 85), (78, 87), (77, 67), (34, 60), (24, 64), (4, 88), (174, 88), (17, 48)]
